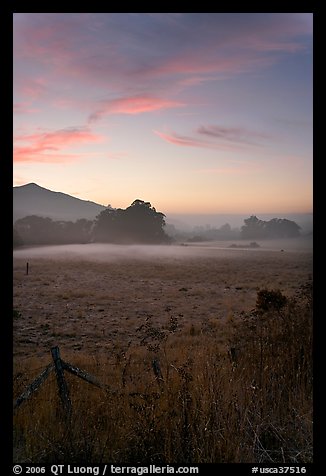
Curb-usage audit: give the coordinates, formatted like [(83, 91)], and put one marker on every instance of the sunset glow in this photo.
[(194, 112)]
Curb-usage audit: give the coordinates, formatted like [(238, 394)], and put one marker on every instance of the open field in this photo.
[(90, 297), (113, 309)]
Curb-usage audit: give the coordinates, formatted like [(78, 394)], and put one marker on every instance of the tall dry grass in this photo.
[(240, 392)]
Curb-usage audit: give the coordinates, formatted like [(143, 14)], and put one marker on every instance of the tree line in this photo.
[(138, 223), (275, 228)]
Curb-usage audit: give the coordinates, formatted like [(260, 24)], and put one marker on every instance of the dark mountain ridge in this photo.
[(31, 199)]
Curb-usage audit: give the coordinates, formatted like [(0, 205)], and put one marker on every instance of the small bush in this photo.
[(270, 300)]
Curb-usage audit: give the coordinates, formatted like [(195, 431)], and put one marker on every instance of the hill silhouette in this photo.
[(31, 199)]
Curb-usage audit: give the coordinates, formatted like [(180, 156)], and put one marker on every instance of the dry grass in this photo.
[(237, 385), (104, 302)]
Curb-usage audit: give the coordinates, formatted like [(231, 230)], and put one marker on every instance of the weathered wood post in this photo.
[(157, 371), (27, 268), (34, 386), (62, 384)]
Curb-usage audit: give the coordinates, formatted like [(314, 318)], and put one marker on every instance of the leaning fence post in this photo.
[(34, 385), (157, 371), (62, 384)]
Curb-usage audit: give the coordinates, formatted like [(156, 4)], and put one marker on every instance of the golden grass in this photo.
[(253, 404)]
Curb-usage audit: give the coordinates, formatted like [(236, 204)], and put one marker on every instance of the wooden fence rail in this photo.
[(34, 386), (82, 374), (60, 366)]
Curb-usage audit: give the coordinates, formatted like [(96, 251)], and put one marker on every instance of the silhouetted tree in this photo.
[(35, 230), (282, 228), (139, 223), (253, 228), (275, 228), (42, 230), (75, 232), (108, 227)]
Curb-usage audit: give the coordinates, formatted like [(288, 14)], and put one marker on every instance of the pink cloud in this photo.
[(126, 56), (133, 105), (186, 141), (48, 146), (232, 134), (48, 37), (198, 63)]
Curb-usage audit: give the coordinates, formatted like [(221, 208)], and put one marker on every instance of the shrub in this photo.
[(270, 300)]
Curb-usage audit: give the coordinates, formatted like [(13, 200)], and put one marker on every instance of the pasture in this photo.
[(113, 310)]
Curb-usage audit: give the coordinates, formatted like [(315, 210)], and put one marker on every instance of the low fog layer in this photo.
[(110, 252), (186, 222)]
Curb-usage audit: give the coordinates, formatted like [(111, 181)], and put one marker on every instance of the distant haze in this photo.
[(32, 199), (188, 221)]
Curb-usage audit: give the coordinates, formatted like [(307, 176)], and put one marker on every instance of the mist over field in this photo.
[(113, 252), (226, 325)]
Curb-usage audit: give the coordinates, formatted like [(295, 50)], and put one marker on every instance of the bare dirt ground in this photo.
[(92, 297)]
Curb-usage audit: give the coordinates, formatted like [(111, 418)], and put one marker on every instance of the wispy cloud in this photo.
[(238, 135), (51, 146), (184, 141), (132, 105), (193, 48), (222, 138)]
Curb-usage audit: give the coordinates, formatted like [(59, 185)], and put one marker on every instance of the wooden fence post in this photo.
[(59, 366), (27, 268), (157, 370), (81, 374), (34, 385), (62, 384)]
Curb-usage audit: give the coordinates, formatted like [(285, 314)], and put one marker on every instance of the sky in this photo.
[(193, 112)]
